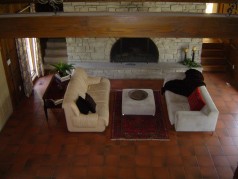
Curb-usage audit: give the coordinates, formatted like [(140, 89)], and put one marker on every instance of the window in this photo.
[(32, 55), (209, 7)]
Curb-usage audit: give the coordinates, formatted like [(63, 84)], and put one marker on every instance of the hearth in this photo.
[(134, 50)]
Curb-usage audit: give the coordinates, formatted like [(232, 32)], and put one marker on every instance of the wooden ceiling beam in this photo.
[(195, 1), (118, 25)]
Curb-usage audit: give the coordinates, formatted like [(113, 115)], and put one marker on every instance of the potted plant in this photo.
[(63, 70), (190, 63)]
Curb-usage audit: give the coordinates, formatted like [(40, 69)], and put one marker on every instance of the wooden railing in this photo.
[(119, 25)]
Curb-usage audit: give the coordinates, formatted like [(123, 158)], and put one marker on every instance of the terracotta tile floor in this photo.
[(31, 148)]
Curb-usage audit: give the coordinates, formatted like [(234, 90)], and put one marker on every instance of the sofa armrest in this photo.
[(93, 80), (71, 107), (77, 113), (90, 116), (75, 109), (86, 121), (195, 121)]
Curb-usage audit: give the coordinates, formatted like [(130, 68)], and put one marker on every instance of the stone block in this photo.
[(143, 9), (134, 9), (85, 56), (164, 9), (70, 40), (69, 9), (110, 9), (154, 9), (149, 4), (89, 49), (77, 9), (80, 50), (159, 4), (92, 9), (192, 11), (168, 56), (113, 3), (200, 6), (102, 8), (138, 4), (78, 3), (99, 42), (185, 40), (76, 57), (121, 9), (83, 9), (70, 49), (201, 11), (125, 3), (190, 7), (92, 3), (176, 8), (98, 57)]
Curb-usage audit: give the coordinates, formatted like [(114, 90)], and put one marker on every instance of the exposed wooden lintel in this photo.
[(118, 25)]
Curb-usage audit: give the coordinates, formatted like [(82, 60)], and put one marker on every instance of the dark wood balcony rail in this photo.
[(119, 25)]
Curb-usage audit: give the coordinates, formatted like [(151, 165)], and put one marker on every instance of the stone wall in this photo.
[(98, 49), (134, 7)]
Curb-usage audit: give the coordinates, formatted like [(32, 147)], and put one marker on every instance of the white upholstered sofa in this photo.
[(98, 88), (179, 110)]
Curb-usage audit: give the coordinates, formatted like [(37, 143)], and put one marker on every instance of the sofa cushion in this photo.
[(196, 101), (99, 96), (103, 85), (174, 107), (91, 103), (79, 78), (172, 97), (82, 105)]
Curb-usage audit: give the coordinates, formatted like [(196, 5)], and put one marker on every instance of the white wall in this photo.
[(5, 99)]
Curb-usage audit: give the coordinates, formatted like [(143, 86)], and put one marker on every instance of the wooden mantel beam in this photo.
[(118, 25)]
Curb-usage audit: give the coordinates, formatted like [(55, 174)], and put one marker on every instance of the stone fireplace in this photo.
[(97, 54), (134, 50)]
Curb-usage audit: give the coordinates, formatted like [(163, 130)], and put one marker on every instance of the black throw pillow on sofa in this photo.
[(193, 74), (82, 105), (91, 103)]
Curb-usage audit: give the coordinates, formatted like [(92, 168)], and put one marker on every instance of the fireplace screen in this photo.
[(134, 50)]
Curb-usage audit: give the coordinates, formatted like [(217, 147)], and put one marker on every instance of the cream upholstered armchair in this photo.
[(98, 88), (180, 114)]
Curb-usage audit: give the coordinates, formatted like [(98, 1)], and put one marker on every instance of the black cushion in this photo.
[(82, 105), (193, 74), (185, 87), (91, 103), (176, 86)]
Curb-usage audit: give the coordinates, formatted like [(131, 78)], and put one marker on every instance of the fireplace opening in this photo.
[(134, 50)]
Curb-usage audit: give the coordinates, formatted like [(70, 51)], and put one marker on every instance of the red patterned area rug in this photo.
[(138, 127)]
